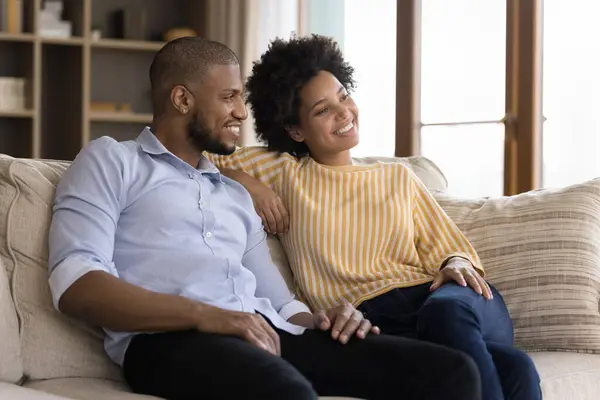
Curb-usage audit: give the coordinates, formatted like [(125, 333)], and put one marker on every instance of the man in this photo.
[(151, 242)]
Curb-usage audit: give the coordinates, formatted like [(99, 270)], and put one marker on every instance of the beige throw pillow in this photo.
[(542, 251)]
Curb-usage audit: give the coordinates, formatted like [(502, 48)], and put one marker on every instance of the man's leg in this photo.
[(459, 318), (381, 367), (518, 375), (194, 365)]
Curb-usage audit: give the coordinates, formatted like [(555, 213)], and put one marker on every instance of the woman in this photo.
[(369, 235)]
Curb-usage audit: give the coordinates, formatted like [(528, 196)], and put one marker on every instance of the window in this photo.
[(463, 92), (571, 92)]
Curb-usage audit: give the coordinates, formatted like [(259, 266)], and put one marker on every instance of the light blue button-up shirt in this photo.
[(138, 212)]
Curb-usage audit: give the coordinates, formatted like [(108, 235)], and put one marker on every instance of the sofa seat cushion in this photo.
[(13, 392), (541, 249), (99, 389), (87, 389), (568, 375)]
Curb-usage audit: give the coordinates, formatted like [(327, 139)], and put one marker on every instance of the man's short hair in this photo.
[(182, 60)]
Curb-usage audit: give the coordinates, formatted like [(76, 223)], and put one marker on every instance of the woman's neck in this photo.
[(335, 160)]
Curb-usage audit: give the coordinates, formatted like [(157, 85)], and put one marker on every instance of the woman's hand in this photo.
[(270, 208), (344, 321), (460, 270)]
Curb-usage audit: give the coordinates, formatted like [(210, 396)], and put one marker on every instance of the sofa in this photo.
[(541, 249)]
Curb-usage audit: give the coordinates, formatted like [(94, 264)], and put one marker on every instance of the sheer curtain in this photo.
[(247, 27)]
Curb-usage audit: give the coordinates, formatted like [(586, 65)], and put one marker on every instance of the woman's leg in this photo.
[(459, 318), (518, 375)]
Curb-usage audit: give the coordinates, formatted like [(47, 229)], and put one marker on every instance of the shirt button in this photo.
[(208, 234), (201, 203), (190, 176)]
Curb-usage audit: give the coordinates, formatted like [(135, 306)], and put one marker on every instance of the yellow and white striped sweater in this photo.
[(355, 231)]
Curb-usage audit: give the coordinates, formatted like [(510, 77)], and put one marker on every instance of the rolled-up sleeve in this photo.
[(86, 211), (269, 281)]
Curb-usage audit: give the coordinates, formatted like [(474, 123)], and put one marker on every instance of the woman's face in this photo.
[(328, 117)]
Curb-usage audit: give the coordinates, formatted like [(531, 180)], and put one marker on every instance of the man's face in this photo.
[(218, 110)]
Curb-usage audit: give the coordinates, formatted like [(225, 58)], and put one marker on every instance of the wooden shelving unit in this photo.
[(66, 75)]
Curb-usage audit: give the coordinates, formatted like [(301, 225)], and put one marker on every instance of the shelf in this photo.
[(124, 117), (121, 44), (16, 37), (16, 113), (72, 41)]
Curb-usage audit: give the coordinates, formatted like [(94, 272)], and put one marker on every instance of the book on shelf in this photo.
[(11, 16)]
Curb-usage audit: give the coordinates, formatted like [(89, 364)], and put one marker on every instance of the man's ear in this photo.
[(181, 99), (295, 133)]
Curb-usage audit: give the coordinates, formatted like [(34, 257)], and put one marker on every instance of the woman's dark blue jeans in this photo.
[(459, 318)]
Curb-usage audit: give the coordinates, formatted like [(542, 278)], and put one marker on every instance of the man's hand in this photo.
[(344, 321), (250, 327), (460, 270)]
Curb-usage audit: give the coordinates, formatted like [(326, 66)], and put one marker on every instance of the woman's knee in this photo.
[(445, 312)]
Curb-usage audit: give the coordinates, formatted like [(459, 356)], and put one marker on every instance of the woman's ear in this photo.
[(295, 133)]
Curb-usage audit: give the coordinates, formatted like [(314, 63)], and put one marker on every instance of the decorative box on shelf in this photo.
[(12, 93), (51, 23)]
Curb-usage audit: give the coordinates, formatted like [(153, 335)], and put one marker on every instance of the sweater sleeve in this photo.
[(437, 238), (256, 161)]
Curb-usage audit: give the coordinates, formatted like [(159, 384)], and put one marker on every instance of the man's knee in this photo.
[(286, 384), (461, 378)]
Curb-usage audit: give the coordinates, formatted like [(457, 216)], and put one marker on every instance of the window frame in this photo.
[(523, 105)]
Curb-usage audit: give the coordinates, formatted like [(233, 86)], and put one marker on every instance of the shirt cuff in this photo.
[(69, 271), (292, 308)]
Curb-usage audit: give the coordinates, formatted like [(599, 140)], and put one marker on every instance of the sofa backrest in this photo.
[(53, 345), (11, 364)]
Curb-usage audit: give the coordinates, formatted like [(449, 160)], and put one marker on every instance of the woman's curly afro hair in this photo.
[(273, 88)]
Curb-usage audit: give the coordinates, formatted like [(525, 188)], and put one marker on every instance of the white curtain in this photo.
[(247, 27)]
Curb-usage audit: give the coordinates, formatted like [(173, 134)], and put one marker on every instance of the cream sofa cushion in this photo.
[(11, 365), (567, 376), (14, 392), (88, 389), (52, 345), (98, 389), (541, 249), (429, 173)]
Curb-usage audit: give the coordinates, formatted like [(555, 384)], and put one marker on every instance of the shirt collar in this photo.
[(151, 145)]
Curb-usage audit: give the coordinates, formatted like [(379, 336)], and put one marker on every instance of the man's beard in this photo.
[(200, 136)]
